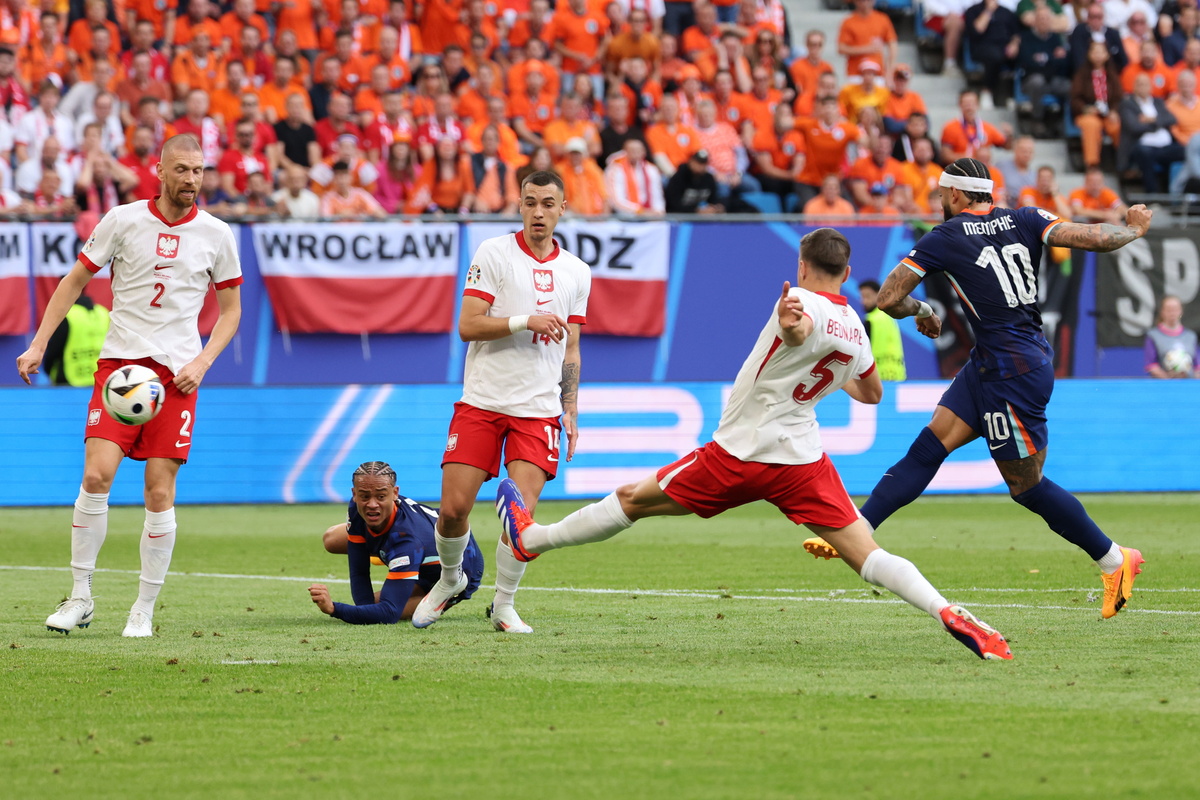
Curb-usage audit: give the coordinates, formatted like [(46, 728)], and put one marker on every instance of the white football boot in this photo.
[(140, 625), (74, 612), (506, 620)]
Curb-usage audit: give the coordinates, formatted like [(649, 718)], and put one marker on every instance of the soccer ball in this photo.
[(1177, 361), (133, 394)]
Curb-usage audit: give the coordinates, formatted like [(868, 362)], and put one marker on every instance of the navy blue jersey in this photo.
[(408, 549), (992, 261)]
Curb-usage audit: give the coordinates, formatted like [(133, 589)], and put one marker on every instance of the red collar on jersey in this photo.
[(833, 298), (979, 212), (188, 217), (525, 248)]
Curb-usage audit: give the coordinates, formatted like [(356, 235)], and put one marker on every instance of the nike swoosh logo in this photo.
[(73, 525), (543, 302), (995, 446), (157, 267), (158, 536), (183, 444)]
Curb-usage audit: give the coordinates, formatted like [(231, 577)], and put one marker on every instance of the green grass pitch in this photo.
[(684, 659)]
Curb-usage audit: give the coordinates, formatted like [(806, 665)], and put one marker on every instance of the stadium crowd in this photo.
[(369, 108)]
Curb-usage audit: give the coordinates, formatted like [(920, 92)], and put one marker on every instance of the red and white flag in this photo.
[(360, 278), (14, 279), (55, 249), (630, 262)]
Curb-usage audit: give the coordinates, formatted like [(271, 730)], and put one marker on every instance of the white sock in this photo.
[(158, 540), (901, 577), (1111, 561), (450, 552), (593, 523), (89, 526), (509, 572)]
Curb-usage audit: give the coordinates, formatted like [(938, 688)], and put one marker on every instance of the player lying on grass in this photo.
[(768, 447), (1001, 393), (399, 532)]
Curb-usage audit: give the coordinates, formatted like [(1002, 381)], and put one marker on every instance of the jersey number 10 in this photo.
[(1018, 281)]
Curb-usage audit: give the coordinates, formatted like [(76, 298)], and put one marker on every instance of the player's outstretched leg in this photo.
[(157, 544), (89, 526), (1066, 516), (596, 522), (901, 577)]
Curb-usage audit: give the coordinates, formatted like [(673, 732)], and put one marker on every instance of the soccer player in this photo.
[(165, 253), (399, 533), (522, 308), (990, 255), (768, 447)]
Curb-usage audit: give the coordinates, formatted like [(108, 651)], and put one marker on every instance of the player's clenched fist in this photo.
[(552, 325), (1138, 218), (320, 595)]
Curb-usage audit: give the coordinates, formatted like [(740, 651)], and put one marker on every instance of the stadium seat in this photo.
[(929, 43), (765, 202)]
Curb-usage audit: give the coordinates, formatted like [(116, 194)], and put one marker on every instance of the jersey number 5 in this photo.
[(822, 374), (1022, 289)]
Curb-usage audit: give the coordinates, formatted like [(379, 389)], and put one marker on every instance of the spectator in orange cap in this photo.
[(870, 93), (584, 186), (689, 93)]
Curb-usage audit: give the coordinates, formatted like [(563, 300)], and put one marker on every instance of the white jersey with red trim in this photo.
[(519, 375), (771, 417), (161, 272)]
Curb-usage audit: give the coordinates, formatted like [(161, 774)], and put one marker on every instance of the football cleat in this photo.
[(138, 626), (74, 612), (514, 516), (438, 601), (980, 638), (821, 548), (506, 620), (1118, 586)]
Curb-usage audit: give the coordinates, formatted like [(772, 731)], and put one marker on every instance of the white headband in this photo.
[(982, 185)]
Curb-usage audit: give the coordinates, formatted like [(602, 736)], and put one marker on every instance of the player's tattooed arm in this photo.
[(1102, 237), (894, 295), (569, 387)]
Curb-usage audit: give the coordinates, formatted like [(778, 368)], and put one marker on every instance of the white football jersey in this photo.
[(519, 375), (160, 275), (771, 417)]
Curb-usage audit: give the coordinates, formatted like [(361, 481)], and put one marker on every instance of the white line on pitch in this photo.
[(825, 595)]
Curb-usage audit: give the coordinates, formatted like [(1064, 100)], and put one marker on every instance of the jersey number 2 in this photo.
[(822, 374), (1022, 289), (161, 290)]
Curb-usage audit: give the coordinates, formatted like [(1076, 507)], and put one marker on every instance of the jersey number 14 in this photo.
[(1016, 276)]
